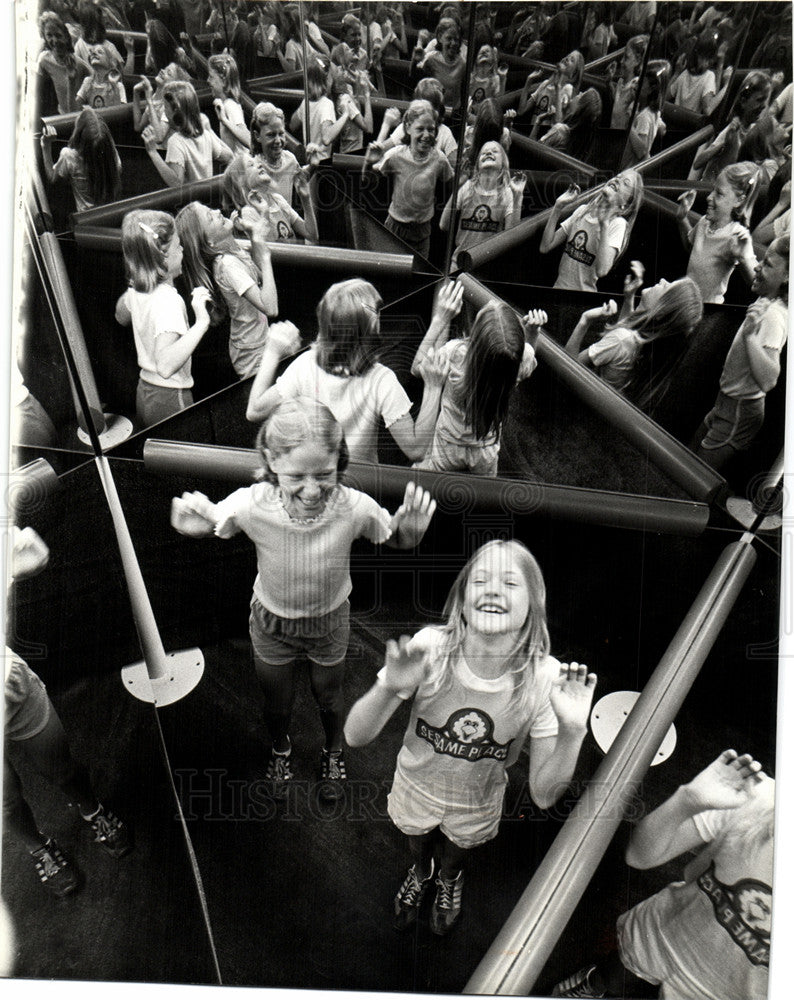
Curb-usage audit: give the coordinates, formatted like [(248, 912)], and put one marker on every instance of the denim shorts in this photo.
[(280, 641), (733, 422)]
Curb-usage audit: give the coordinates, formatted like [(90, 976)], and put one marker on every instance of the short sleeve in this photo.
[(711, 823), (234, 112), (528, 363), (616, 233), (289, 212), (122, 93), (372, 521), (220, 151), (772, 330), (175, 152), (605, 350), (83, 89), (233, 513), (235, 274), (294, 381), (170, 315), (445, 167), (573, 220), (642, 124), (782, 224), (393, 399), (385, 164), (326, 111)]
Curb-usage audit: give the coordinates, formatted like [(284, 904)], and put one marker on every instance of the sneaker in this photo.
[(53, 870), (279, 772), (577, 985), (332, 774), (109, 832), (447, 904), (409, 898)]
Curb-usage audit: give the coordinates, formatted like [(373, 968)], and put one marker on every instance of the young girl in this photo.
[(488, 203), (708, 934), (665, 310), (58, 62), (163, 340), (697, 87), (103, 88), (647, 123), (720, 239), (214, 260), (624, 79), (351, 139), (90, 162), (596, 234), (148, 107), (752, 366), (550, 99), (324, 126), (224, 82), (488, 126), (303, 522), (483, 369), (481, 684), (487, 80), (445, 63), (751, 100), (417, 166), (247, 185), (268, 146), (342, 371), (193, 146), (429, 90), (598, 34), (575, 135), (93, 34)]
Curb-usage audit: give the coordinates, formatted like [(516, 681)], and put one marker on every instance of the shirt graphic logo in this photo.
[(480, 221), (744, 910), (98, 101), (283, 230), (576, 248), (543, 103), (467, 734), (478, 95)]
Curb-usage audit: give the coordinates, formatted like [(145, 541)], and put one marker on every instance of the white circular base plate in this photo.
[(185, 670), (117, 429), (608, 716), (742, 510)]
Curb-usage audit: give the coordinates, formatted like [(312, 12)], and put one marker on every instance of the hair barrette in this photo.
[(148, 230)]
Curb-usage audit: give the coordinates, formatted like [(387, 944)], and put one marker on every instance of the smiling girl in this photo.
[(268, 146), (303, 522), (481, 685)]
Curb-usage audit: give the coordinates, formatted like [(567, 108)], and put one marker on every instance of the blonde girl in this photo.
[(417, 165), (624, 79), (192, 147), (243, 281), (481, 371), (303, 522), (342, 371), (665, 310), (268, 146), (750, 103), (648, 123), (148, 107), (596, 234), (224, 81), (248, 187), (482, 684), (58, 62), (324, 126), (487, 80), (720, 240), (163, 340), (90, 162), (550, 99)]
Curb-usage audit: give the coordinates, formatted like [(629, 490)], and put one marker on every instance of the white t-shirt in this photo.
[(646, 125), (445, 140), (234, 112), (707, 937), (768, 320), (710, 263), (462, 738), (303, 566), (321, 112), (93, 94), (483, 214), (357, 401), (193, 157), (153, 314), (248, 325), (582, 236), (615, 355), (690, 91)]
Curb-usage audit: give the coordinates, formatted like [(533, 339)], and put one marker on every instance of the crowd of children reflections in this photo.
[(617, 174)]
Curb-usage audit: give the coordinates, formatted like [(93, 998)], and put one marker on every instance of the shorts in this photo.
[(280, 641), (154, 403), (446, 456), (415, 812), (733, 422), (416, 235), (28, 706)]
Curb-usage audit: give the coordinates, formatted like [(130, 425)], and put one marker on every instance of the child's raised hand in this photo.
[(572, 695), (413, 516), (726, 783), (686, 200), (634, 279), (29, 553), (535, 318), (314, 154), (517, 182), (449, 301), (392, 116), (193, 514), (284, 338), (434, 369), (301, 183), (374, 153), (200, 299), (738, 245), (509, 115), (149, 139), (405, 667), (569, 195)]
